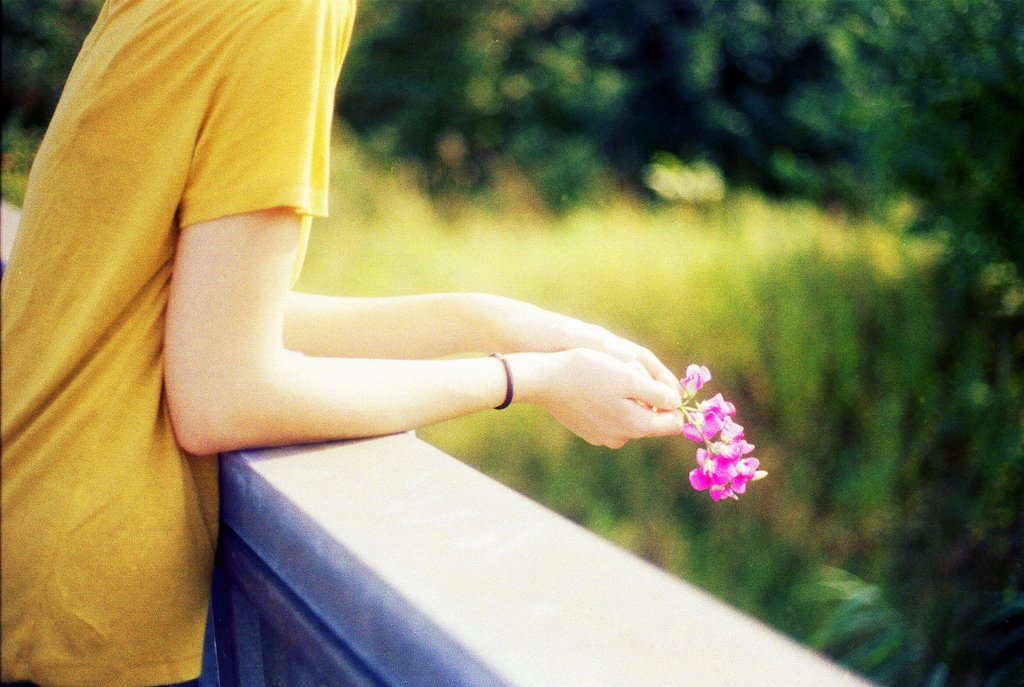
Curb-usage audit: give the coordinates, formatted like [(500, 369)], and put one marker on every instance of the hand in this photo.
[(597, 396), (520, 326)]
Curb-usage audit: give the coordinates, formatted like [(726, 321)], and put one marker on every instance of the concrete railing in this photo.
[(387, 562)]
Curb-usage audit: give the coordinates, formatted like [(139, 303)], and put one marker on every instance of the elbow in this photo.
[(208, 418), (199, 429), (197, 441), (219, 402)]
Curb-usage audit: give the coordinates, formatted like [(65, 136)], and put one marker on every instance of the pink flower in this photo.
[(703, 426), (731, 431), (699, 479), (721, 466), (696, 377), (712, 474), (735, 449), (715, 468), (747, 468), (719, 406), (719, 492), (692, 432), (712, 423)]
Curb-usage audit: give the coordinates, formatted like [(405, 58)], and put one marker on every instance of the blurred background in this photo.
[(821, 200)]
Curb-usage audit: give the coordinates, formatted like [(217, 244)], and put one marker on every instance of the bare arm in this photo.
[(400, 327), (232, 382), (433, 325)]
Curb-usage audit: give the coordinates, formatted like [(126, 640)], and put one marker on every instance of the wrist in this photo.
[(486, 316), (532, 374)]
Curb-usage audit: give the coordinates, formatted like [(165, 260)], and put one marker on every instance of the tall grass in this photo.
[(872, 403)]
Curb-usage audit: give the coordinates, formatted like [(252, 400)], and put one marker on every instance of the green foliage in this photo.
[(851, 100), (569, 89), (19, 150), (943, 85), (864, 631), (750, 85), (1001, 633), (454, 85), (41, 39), (907, 444)]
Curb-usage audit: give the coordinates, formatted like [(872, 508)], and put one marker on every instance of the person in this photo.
[(149, 323)]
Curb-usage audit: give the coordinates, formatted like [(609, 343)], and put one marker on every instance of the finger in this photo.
[(652, 423), (640, 368), (608, 441), (628, 352), (656, 393), (666, 423), (639, 422), (657, 369)]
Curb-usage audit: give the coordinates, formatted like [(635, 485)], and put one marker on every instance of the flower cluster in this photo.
[(722, 468)]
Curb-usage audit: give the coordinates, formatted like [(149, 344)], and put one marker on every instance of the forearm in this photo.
[(437, 325), (293, 399), (400, 327)]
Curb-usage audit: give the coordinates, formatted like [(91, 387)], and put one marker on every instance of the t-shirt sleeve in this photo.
[(264, 141)]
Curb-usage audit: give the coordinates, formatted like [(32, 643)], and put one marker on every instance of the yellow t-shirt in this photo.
[(176, 111)]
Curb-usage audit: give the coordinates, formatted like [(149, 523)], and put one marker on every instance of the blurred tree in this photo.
[(41, 39), (793, 97), (941, 86), (832, 100), (573, 88), (750, 85), (454, 85)]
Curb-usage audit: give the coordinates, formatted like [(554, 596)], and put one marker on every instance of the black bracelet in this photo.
[(508, 380)]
